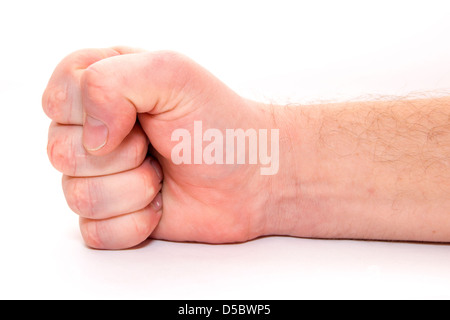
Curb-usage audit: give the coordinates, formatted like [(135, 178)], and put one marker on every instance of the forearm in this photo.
[(365, 170)]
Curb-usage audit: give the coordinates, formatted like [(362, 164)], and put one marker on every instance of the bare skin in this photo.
[(366, 170)]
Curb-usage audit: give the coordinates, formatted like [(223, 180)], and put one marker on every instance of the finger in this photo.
[(121, 232), (115, 89), (127, 50), (67, 154), (108, 196), (61, 100)]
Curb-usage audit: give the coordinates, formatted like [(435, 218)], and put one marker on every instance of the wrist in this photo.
[(292, 201), (294, 205)]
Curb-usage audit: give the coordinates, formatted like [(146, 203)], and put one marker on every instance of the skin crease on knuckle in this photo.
[(138, 146), (90, 233), (61, 152), (119, 232), (142, 226), (149, 189), (96, 197), (79, 195), (93, 85), (53, 100), (67, 154), (61, 100)]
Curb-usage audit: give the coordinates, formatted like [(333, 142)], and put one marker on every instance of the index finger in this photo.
[(61, 100)]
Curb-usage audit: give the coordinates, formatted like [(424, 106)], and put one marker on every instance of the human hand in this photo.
[(114, 184)]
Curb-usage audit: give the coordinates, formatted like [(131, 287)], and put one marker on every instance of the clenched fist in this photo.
[(114, 115)]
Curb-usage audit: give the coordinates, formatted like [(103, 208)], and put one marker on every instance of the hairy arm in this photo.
[(364, 170)]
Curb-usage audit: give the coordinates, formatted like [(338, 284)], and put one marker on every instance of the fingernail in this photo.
[(157, 202), (155, 164), (95, 134)]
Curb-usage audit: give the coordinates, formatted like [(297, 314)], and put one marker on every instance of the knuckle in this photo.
[(93, 84), (168, 58), (79, 197), (177, 73), (149, 185), (171, 60), (179, 66), (142, 226), (90, 231), (138, 151), (61, 153), (53, 102)]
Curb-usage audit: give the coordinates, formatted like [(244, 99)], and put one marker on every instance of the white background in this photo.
[(268, 50)]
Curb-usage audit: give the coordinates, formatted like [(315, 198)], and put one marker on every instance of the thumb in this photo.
[(115, 89)]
